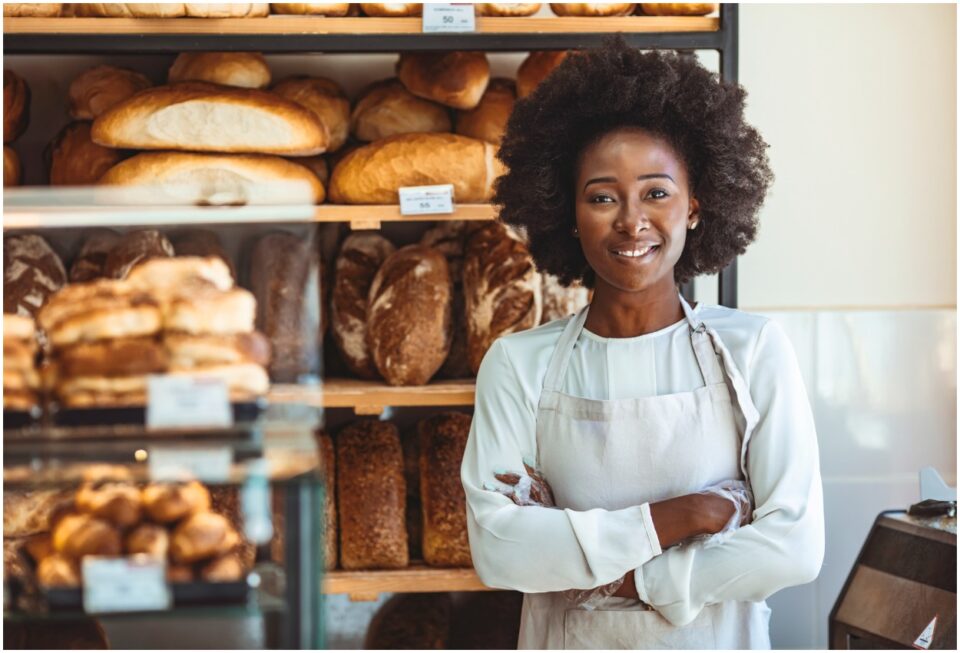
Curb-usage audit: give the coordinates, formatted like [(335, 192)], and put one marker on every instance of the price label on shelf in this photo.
[(187, 402), (421, 200), (211, 464), (448, 17), (135, 584)]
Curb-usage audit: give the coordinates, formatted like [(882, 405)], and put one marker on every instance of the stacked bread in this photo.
[(586, 9), (168, 521), (32, 9), (21, 383), (180, 316), (170, 9), (16, 116)]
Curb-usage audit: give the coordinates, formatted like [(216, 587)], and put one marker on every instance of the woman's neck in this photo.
[(618, 314)]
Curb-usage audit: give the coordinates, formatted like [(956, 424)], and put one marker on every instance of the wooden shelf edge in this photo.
[(371, 397), (367, 585), (361, 214)]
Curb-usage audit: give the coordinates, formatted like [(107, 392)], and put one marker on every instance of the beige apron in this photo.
[(614, 454)]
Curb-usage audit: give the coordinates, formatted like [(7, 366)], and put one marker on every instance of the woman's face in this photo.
[(633, 209)]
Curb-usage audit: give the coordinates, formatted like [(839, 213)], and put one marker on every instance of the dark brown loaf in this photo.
[(88, 264), (410, 441), (133, 248), (371, 496), (501, 287), (488, 120), (411, 621), (443, 439), (409, 315), (449, 238), (281, 266), (97, 89), (455, 79), (73, 159), (386, 108), (16, 106), (328, 456), (361, 255), (32, 272)]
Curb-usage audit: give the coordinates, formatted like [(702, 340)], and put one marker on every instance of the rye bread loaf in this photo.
[(450, 238), (443, 439), (410, 442), (371, 496), (32, 272), (328, 456), (89, 261), (561, 301), (501, 286), (133, 248), (409, 315)]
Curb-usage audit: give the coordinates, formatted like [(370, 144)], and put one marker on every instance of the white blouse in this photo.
[(544, 550)]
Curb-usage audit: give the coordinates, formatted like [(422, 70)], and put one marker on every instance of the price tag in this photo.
[(445, 17), (420, 200), (211, 464), (135, 584), (187, 401)]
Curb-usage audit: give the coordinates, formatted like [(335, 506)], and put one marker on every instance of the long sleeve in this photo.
[(784, 544), (534, 549)]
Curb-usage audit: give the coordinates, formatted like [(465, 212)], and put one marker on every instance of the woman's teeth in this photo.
[(635, 253)]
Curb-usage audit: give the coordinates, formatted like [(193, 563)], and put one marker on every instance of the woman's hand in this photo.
[(529, 490)]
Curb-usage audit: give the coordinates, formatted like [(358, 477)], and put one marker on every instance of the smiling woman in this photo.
[(601, 441)]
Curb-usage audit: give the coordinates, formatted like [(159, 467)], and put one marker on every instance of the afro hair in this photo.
[(665, 93)]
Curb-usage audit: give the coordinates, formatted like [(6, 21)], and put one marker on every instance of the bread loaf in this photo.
[(592, 8), (443, 439), (201, 536), (488, 120), (32, 9), (391, 9), (328, 457), (535, 69), (281, 268), (133, 248), (241, 69), (449, 238), (561, 301), (211, 312), (507, 9), (678, 8), (149, 539), (361, 255), (387, 108), (170, 502), (113, 357), (205, 117), (82, 535), (58, 570), (501, 287), (225, 569), (11, 167), (130, 10), (455, 79), (410, 442), (88, 264), (16, 106), (411, 621), (97, 89), (325, 100), (409, 315), (184, 276), (75, 160), (371, 496), (210, 178), (311, 8), (117, 503), (32, 272), (372, 174), (315, 164), (226, 9)]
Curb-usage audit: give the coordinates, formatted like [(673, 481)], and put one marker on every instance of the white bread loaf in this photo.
[(372, 174), (129, 10), (391, 9), (226, 9), (241, 69), (387, 108), (678, 8), (205, 117), (32, 9), (75, 160)]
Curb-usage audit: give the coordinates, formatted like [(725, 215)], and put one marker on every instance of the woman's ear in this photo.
[(693, 217)]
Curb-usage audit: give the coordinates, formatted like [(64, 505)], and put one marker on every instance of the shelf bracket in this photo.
[(368, 409), (364, 597), (358, 225)]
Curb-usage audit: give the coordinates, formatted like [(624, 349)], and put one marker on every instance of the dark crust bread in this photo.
[(134, 248), (32, 272), (88, 264)]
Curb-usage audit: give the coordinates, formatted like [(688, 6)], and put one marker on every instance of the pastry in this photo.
[(82, 535), (117, 503), (148, 539), (186, 351), (181, 276), (201, 536), (211, 312), (113, 357)]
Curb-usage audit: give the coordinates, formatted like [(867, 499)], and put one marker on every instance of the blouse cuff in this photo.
[(650, 529)]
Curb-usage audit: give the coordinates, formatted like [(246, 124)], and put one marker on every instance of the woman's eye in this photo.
[(600, 199), (658, 193)]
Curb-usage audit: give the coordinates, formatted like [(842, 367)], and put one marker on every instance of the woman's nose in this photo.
[(632, 220)]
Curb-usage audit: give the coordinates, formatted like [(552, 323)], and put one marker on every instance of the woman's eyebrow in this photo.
[(610, 180)]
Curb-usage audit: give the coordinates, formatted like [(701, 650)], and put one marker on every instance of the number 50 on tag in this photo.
[(445, 17)]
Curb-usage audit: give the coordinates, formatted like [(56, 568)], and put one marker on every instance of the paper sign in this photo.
[(926, 637), (210, 464), (135, 584), (187, 401), (445, 17), (420, 200)]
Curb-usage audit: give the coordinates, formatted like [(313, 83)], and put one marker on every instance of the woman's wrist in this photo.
[(679, 518)]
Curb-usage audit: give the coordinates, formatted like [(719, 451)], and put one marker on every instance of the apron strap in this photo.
[(561, 353), (703, 347)]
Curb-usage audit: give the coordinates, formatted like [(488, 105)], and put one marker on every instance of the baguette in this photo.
[(456, 79)]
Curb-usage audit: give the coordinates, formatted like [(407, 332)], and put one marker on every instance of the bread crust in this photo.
[(325, 99), (592, 8), (239, 69), (507, 9), (488, 120), (135, 248), (386, 108), (455, 79), (392, 9), (443, 439), (186, 351), (311, 8), (678, 8), (169, 502), (88, 263), (97, 89), (211, 312), (201, 536), (114, 357), (16, 106), (535, 69), (75, 160), (32, 9)]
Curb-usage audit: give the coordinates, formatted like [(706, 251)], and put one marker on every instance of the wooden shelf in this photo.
[(371, 216), (368, 585), (371, 397)]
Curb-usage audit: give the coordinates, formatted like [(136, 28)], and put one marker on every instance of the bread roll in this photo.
[(209, 178), (202, 243), (392, 9), (561, 301), (205, 117), (372, 174), (412, 621), (328, 457), (282, 266), (32, 273), (371, 496), (455, 79), (225, 569), (134, 248), (16, 106), (170, 502), (501, 287), (129, 10), (11, 167), (58, 570), (39, 546), (97, 89), (83, 535), (315, 164), (535, 69), (148, 539), (592, 8), (678, 8), (186, 351), (201, 536), (409, 315), (325, 100), (113, 357), (88, 264), (387, 108), (242, 69), (227, 9), (443, 439), (75, 160), (32, 9), (117, 503), (311, 8), (361, 255), (488, 120), (507, 9)]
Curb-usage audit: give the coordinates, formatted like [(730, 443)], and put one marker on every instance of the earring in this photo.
[(576, 232), (694, 225)]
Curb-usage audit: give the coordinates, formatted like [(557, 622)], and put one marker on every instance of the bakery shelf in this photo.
[(370, 216), (371, 397), (368, 585)]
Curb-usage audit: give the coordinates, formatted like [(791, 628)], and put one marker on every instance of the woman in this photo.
[(642, 419)]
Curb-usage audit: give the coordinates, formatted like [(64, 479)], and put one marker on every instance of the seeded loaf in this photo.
[(443, 439)]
